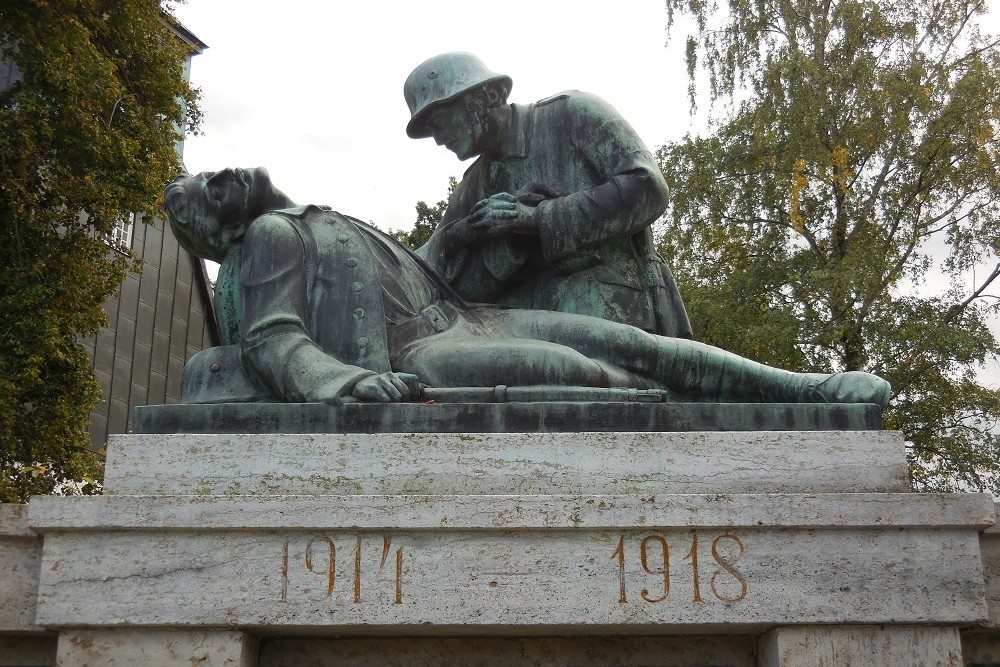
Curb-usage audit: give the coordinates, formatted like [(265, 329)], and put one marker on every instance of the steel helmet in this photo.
[(441, 79)]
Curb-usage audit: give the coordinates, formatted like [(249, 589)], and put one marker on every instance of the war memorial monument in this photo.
[(502, 449)]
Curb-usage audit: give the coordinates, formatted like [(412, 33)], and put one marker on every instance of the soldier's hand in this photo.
[(459, 234), (502, 214), (387, 388)]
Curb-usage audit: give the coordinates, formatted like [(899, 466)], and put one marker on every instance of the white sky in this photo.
[(313, 90)]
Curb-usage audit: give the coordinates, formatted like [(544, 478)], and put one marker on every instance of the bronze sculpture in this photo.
[(316, 306), (555, 213)]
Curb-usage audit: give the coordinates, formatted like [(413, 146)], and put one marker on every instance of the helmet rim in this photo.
[(439, 81)]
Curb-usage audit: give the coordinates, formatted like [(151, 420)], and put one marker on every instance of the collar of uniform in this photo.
[(517, 139)]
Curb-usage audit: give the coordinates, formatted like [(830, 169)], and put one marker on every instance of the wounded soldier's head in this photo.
[(210, 211)]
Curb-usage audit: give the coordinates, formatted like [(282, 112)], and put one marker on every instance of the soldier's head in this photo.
[(451, 98), (210, 211)]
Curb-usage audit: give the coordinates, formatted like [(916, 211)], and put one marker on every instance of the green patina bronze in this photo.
[(555, 213), (316, 306)]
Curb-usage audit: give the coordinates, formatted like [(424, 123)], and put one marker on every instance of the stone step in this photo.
[(507, 463)]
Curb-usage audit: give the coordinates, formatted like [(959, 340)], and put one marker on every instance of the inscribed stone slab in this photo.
[(489, 564)]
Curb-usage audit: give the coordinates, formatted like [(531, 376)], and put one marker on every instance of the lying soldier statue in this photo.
[(315, 306)]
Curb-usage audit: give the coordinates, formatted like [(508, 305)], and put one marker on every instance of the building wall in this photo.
[(159, 319)]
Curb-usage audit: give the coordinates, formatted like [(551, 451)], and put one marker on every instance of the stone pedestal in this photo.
[(861, 645), (701, 548), (155, 646), (22, 642)]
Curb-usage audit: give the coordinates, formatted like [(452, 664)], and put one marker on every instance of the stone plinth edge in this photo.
[(503, 417)]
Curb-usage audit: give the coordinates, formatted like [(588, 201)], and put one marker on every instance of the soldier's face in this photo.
[(458, 129), (206, 209)]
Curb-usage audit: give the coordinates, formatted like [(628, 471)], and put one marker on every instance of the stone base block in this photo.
[(989, 542), (880, 646), (144, 646), (506, 463), (20, 555), (760, 549), (514, 565)]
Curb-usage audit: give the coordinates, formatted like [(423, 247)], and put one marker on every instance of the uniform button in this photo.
[(362, 342), (357, 287), (352, 262), (342, 238), (359, 314), (215, 368)]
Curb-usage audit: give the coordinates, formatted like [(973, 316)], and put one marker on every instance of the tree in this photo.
[(87, 133), (428, 218), (858, 144)]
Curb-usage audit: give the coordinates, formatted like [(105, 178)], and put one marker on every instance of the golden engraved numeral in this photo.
[(329, 566), (650, 561), (620, 553), (725, 565), (284, 573), (693, 556), (664, 571), (357, 572), (386, 546), (399, 576)]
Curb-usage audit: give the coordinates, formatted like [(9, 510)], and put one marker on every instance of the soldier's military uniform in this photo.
[(326, 300), (597, 191)]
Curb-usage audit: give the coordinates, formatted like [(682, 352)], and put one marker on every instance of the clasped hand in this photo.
[(501, 214)]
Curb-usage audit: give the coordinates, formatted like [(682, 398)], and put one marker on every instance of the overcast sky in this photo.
[(313, 90)]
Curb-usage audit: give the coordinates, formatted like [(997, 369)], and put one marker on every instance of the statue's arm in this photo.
[(631, 196), (476, 271), (476, 266), (275, 340)]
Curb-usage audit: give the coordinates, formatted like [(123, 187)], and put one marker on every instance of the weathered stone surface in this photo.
[(146, 646), (502, 652), (503, 417), (878, 646), (506, 463), (483, 548), (990, 544), (20, 558), (494, 565)]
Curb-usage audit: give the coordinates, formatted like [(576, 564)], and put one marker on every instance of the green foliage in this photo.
[(859, 142), (87, 134), (428, 218)]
